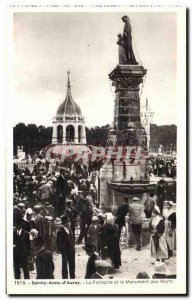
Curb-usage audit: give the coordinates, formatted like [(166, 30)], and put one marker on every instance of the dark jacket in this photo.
[(22, 245), (61, 185), (39, 225), (27, 226), (91, 268), (65, 242), (111, 236), (45, 265), (172, 219), (121, 213)]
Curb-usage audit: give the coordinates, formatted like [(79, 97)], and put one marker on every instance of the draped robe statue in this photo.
[(126, 55)]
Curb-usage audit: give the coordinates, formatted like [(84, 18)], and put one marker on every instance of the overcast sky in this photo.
[(47, 45)]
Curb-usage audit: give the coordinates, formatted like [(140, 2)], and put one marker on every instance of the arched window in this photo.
[(60, 134), (70, 133)]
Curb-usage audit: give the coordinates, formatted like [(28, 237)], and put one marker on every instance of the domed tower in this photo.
[(68, 123)]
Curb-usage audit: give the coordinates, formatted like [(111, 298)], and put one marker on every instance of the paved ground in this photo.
[(132, 262)]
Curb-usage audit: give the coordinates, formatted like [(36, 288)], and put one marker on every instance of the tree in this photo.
[(34, 138), (97, 136)]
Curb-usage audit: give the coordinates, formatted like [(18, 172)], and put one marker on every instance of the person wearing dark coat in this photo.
[(66, 246), (21, 249), (91, 268), (61, 191), (72, 213), (85, 214), (103, 242), (110, 234), (39, 221), (44, 261), (120, 216), (161, 193)]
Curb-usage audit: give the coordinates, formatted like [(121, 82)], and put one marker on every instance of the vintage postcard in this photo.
[(96, 150)]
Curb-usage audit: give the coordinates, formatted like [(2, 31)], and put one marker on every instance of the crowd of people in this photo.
[(65, 198), (163, 165)]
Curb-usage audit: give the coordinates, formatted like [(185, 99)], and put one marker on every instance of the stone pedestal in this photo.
[(118, 180), (126, 79), (105, 196)]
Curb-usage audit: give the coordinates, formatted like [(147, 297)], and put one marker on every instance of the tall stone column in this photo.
[(64, 133), (76, 134), (127, 79), (54, 135), (83, 135)]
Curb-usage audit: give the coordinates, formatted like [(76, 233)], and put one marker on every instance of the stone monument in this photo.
[(128, 174)]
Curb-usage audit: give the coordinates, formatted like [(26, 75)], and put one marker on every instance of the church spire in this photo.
[(69, 106), (68, 81), (68, 86)]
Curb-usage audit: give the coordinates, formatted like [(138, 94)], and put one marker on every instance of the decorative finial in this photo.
[(68, 82)]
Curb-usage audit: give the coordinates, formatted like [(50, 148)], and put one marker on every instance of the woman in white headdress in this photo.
[(170, 226), (159, 249)]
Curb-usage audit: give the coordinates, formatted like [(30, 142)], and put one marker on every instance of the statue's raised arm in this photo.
[(127, 41)]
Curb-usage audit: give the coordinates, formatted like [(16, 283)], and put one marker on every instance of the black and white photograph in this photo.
[(96, 196)]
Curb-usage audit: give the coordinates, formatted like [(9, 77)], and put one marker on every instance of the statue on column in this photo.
[(126, 55), (122, 54)]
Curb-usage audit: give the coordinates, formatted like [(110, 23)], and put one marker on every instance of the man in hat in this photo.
[(91, 268), (21, 249), (135, 215), (66, 246), (121, 213)]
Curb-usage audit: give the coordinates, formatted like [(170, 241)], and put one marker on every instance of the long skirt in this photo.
[(160, 252), (170, 235)]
